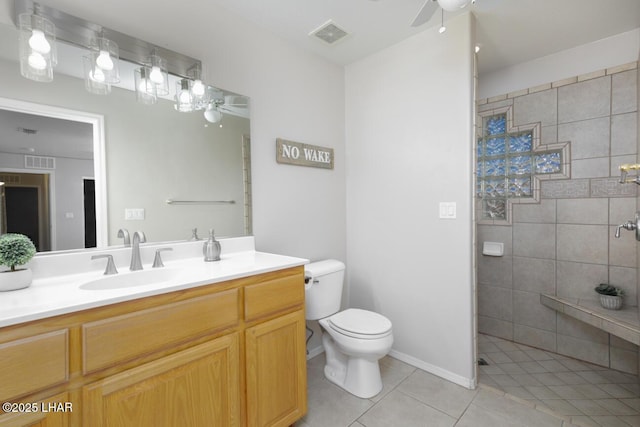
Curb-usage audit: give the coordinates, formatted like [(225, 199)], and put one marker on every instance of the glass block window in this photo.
[(506, 165)]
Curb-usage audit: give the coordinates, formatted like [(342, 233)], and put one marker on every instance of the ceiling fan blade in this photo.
[(427, 11)]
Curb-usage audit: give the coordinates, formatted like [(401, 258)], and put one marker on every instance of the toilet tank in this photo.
[(323, 288)]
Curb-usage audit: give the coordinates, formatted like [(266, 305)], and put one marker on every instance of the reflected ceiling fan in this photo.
[(236, 105), (430, 7)]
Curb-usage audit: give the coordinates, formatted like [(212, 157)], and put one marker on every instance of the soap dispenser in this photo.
[(211, 248)]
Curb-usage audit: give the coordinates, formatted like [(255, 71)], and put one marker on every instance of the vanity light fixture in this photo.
[(94, 78), (104, 48), (37, 46), (198, 90), (103, 61), (184, 96), (158, 73), (101, 66), (145, 88)]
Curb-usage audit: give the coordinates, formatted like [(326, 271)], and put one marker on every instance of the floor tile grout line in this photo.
[(585, 367)]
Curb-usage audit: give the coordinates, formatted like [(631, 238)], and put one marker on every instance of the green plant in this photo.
[(604, 289), (15, 249)]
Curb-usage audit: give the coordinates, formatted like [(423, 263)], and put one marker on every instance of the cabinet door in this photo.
[(52, 412), (276, 371), (195, 387)]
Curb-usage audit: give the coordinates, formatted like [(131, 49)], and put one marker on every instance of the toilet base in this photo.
[(358, 376)]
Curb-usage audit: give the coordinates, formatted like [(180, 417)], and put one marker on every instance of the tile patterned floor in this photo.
[(412, 397), (547, 390), (585, 394)]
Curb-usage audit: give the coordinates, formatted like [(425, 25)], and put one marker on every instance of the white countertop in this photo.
[(61, 294)]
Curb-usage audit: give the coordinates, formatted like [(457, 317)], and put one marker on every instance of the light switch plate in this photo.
[(447, 210), (134, 213)]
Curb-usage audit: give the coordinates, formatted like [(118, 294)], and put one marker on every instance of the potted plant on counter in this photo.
[(610, 296), (15, 250)]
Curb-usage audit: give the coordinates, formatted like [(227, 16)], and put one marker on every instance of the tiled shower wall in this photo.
[(564, 245)]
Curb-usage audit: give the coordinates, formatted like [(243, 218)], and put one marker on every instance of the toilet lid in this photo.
[(360, 322)]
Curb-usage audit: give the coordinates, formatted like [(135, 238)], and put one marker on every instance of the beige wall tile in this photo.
[(583, 243)]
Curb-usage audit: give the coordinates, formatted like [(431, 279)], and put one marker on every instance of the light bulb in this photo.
[(38, 42), (104, 61), (37, 61), (184, 97), (442, 29), (198, 88), (142, 86), (156, 75), (97, 75)]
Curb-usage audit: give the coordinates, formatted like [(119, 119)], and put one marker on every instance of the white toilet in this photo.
[(354, 340)]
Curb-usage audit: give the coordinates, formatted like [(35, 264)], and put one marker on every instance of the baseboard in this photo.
[(469, 383), (315, 351)]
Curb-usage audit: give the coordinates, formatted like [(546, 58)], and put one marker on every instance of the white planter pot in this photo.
[(611, 302), (13, 280)]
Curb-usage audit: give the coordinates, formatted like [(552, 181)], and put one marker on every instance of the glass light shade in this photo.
[(184, 98), (94, 78), (37, 47), (158, 74), (453, 5), (199, 90), (145, 89), (104, 60)]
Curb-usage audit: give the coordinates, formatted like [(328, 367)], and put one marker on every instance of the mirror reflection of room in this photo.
[(78, 166)]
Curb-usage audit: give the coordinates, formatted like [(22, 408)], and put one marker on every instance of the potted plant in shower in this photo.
[(610, 296), (15, 250)]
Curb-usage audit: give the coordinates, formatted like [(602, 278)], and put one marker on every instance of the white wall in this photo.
[(612, 51), (409, 147)]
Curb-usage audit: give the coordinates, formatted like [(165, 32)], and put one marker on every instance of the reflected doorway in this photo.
[(25, 207)]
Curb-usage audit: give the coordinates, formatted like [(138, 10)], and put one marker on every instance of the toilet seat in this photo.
[(362, 324)]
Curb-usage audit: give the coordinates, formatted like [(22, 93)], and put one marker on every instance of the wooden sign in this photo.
[(297, 153)]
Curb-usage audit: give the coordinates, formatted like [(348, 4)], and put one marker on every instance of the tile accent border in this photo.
[(564, 82)]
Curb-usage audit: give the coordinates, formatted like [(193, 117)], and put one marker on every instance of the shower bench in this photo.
[(623, 323)]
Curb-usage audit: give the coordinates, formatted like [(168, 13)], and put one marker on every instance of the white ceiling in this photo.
[(508, 31)]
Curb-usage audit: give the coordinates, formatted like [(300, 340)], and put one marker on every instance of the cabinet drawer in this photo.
[(33, 363), (109, 341), (272, 296)]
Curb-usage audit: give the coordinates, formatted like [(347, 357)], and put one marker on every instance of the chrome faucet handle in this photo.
[(123, 233), (630, 225), (157, 260), (111, 266)]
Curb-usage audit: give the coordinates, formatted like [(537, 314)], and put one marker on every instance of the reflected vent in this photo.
[(329, 32), (10, 179), (39, 162)]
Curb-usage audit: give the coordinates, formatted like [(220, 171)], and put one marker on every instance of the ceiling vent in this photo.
[(27, 131), (329, 32)]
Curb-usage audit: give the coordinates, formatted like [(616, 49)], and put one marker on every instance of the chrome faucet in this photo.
[(124, 234), (136, 262)]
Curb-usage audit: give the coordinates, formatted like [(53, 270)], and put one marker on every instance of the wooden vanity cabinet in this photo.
[(227, 354)]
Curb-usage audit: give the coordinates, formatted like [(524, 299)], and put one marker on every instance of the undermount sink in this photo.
[(132, 279)]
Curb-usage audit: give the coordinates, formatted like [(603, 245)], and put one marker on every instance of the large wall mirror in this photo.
[(70, 159)]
